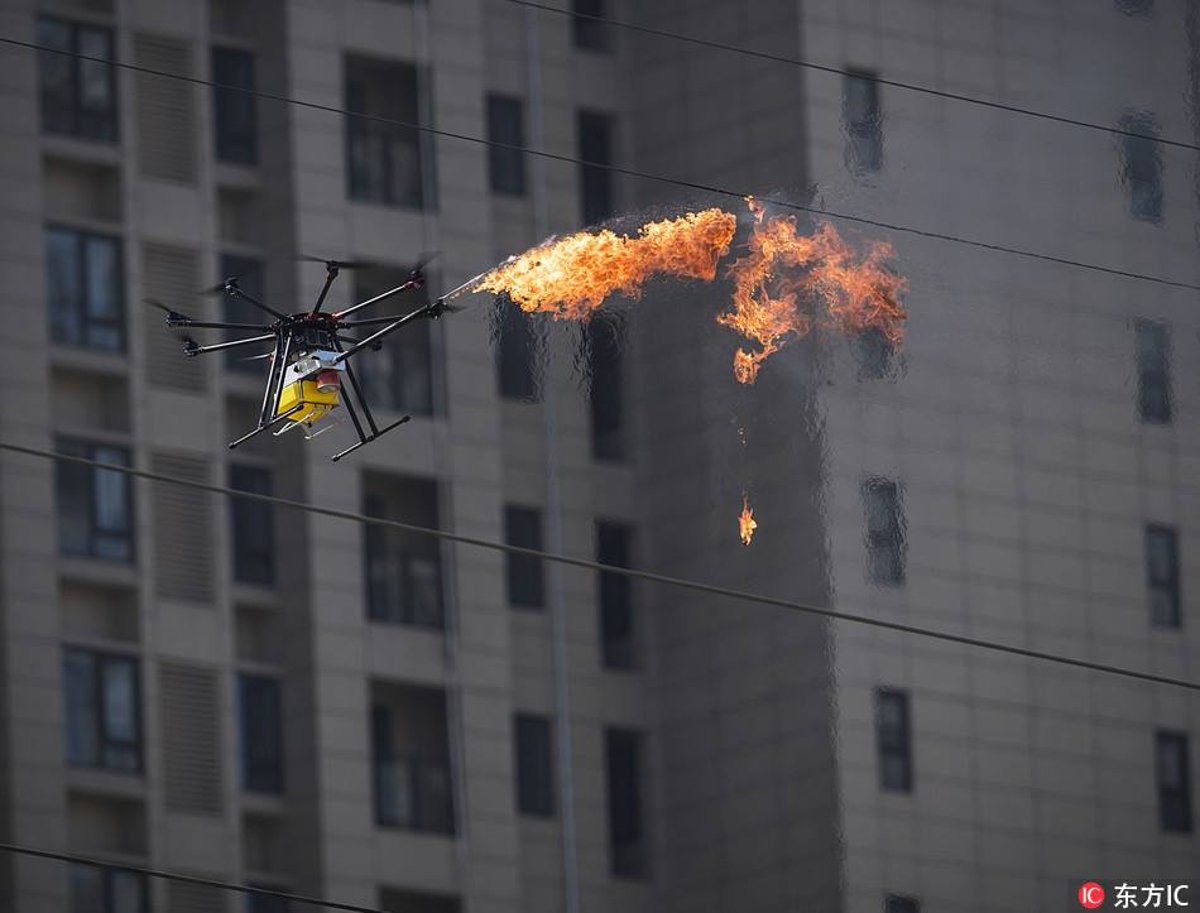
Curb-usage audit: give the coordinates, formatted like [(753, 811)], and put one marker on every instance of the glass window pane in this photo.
[(128, 892), (87, 893), (63, 288), (81, 716), (120, 700), (103, 278)]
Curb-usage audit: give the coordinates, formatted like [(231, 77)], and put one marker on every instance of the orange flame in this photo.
[(785, 270), (746, 522), (570, 277)]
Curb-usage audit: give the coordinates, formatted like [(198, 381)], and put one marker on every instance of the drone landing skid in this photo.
[(364, 440)]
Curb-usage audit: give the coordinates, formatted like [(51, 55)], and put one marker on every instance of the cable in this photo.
[(632, 172), (682, 583), (186, 879), (883, 81)]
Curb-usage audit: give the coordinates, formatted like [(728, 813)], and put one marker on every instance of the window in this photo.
[(526, 584), (103, 715), (613, 547), (1162, 576), (1141, 166), (535, 769), (603, 339), (78, 96), (404, 570), (1174, 783), (596, 149), (395, 900), (892, 727), (506, 124), (253, 526), (235, 118), (626, 829), (400, 376), (85, 286), (516, 352), (249, 273), (885, 532), (94, 505), (1154, 371), (384, 161), (266, 903), (260, 718), (875, 354), (895, 903), (97, 890), (411, 761), (589, 33), (863, 122)]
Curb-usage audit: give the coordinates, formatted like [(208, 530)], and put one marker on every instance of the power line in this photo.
[(881, 80), (680, 582), (631, 172), (185, 879)]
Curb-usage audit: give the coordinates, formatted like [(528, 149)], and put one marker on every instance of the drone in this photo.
[(310, 355)]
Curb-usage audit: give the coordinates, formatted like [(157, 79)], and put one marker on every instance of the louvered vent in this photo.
[(194, 898), (172, 275), (166, 109), (191, 739), (183, 534)]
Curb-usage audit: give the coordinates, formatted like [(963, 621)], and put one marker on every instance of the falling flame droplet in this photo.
[(785, 270), (746, 522), (570, 277)]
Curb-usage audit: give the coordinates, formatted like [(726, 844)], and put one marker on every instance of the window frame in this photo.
[(507, 171), (590, 34), (1152, 349), (234, 143), (80, 310), (100, 661), (366, 127), (252, 765), (597, 184), (864, 134), (396, 547), (1182, 793), (1170, 584), (76, 113), (634, 864), (419, 344), (516, 354), (535, 795), (891, 539), (894, 743), (616, 598), (258, 543), (526, 568), (90, 450), (1142, 166), (108, 879)]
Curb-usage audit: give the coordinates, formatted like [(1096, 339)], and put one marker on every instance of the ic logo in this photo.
[(1091, 895)]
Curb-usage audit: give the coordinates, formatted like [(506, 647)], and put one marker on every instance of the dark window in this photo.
[(253, 526), (103, 713), (526, 583), (395, 900), (250, 277), (895, 903), (617, 641), (235, 118), (595, 181), (400, 375), (260, 717), (1174, 783), (893, 729), (603, 339), (506, 124), (885, 532), (266, 903), (1141, 166), (98, 890), (626, 830), (85, 287), (875, 354), (1162, 576), (589, 33), (95, 506), (412, 775), (516, 352), (78, 95), (863, 122), (535, 769), (404, 570), (1154, 371), (384, 161)]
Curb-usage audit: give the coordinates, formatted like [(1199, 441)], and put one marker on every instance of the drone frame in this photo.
[(289, 331)]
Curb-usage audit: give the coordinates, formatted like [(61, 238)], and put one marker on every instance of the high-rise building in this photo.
[(255, 694)]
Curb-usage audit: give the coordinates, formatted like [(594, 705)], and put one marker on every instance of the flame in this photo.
[(746, 522), (784, 271), (570, 277)]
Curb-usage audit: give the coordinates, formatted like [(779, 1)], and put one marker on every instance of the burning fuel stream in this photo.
[(786, 284)]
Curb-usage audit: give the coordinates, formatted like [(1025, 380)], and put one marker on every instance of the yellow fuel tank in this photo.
[(314, 403)]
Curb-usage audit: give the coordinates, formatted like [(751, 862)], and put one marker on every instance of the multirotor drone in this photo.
[(310, 355)]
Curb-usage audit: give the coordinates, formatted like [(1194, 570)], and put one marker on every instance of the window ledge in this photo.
[(238, 176), (273, 804), (95, 152), (102, 782), (257, 596), (97, 361), (97, 570)]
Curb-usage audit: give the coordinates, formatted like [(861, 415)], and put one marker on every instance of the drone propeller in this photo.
[(222, 286), (338, 264), (173, 316)]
